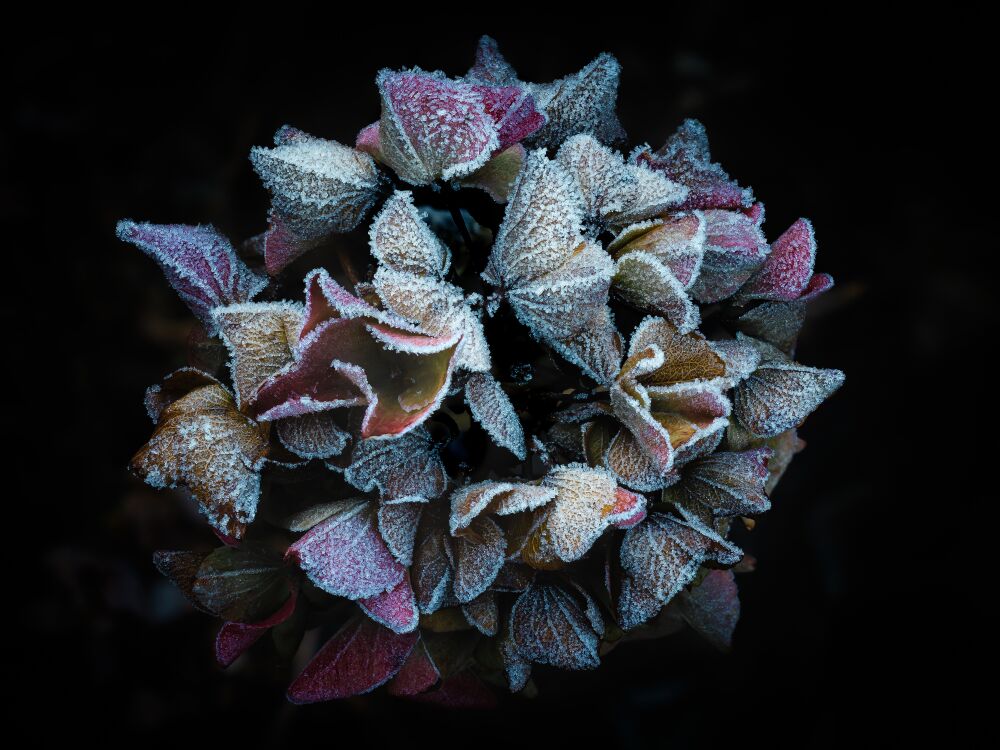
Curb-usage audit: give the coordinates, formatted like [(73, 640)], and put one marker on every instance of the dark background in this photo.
[(852, 626)]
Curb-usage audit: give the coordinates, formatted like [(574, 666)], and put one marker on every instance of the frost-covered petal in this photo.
[(203, 442), (614, 192), (235, 638), (734, 249), (398, 523), (632, 465), (396, 608), (400, 239), (723, 484), (502, 498), (345, 555), (200, 264), (490, 67), (636, 604), (491, 407), (417, 674), (432, 127), (587, 502), (677, 241), (685, 158), (663, 554), (318, 187), (779, 395), (261, 338), (312, 435), (687, 357), (359, 658), (644, 282), (513, 111), (478, 553), (787, 269), (483, 614), (432, 570), (580, 103), (405, 466), (550, 625)]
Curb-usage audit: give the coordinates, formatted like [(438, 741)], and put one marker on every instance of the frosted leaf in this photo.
[(396, 608), (312, 435), (203, 442), (318, 187), (723, 485), (497, 176), (663, 554), (685, 158), (235, 638), (615, 193), (712, 608), (400, 239), (502, 498), (432, 570), (439, 309), (261, 338), (780, 394), (581, 103), (491, 407), (587, 502), (408, 465), (200, 264), (359, 658), (345, 555), (478, 553), (678, 242), (787, 269), (644, 282), (350, 354), (549, 626), (734, 249), (398, 523), (483, 614), (490, 67), (417, 674)]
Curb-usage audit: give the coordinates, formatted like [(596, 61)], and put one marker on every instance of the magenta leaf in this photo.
[(362, 656), (417, 675), (788, 269), (200, 264), (235, 638), (395, 608)]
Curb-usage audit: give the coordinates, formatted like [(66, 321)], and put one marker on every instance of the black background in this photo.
[(852, 626)]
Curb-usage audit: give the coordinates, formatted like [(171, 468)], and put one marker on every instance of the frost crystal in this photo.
[(462, 471)]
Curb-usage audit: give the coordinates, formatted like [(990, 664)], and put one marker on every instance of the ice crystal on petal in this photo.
[(359, 658), (492, 408), (312, 435), (398, 523), (685, 158), (549, 626), (408, 465), (788, 268), (615, 193), (501, 498), (400, 239), (723, 484), (417, 674), (319, 187), (204, 443), (346, 556), (644, 282), (432, 570), (663, 554), (483, 614), (556, 281), (478, 553), (200, 264), (490, 66), (497, 176), (780, 394), (396, 608), (581, 103), (734, 248)]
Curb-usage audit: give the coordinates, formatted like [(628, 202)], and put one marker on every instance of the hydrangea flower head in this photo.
[(487, 446)]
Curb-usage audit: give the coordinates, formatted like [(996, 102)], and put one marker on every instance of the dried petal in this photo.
[(478, 554), (734, 248), (204, 443), (497, 176), (549, 626), (346, 556), (395, 608), (359, 658), (417, 675), (312, 435), (787, 269), (200, 264), (245, 584), (644, 282), (398, 523), (406, 466), (400, 239), (483, 614), (502, 498), (723, 485), (580, 103), (491, 407), (713, 608)]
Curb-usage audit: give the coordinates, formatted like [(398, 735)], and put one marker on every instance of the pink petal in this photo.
[(734, 249), (368, 140), (395, 608), (200, 264), (788, 269), (235, 638), (513, 111), (417, 675), (346, 556), (630, 508), (282, 246), (359, 658), (819, 283), (713, 608), (685, 158)]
